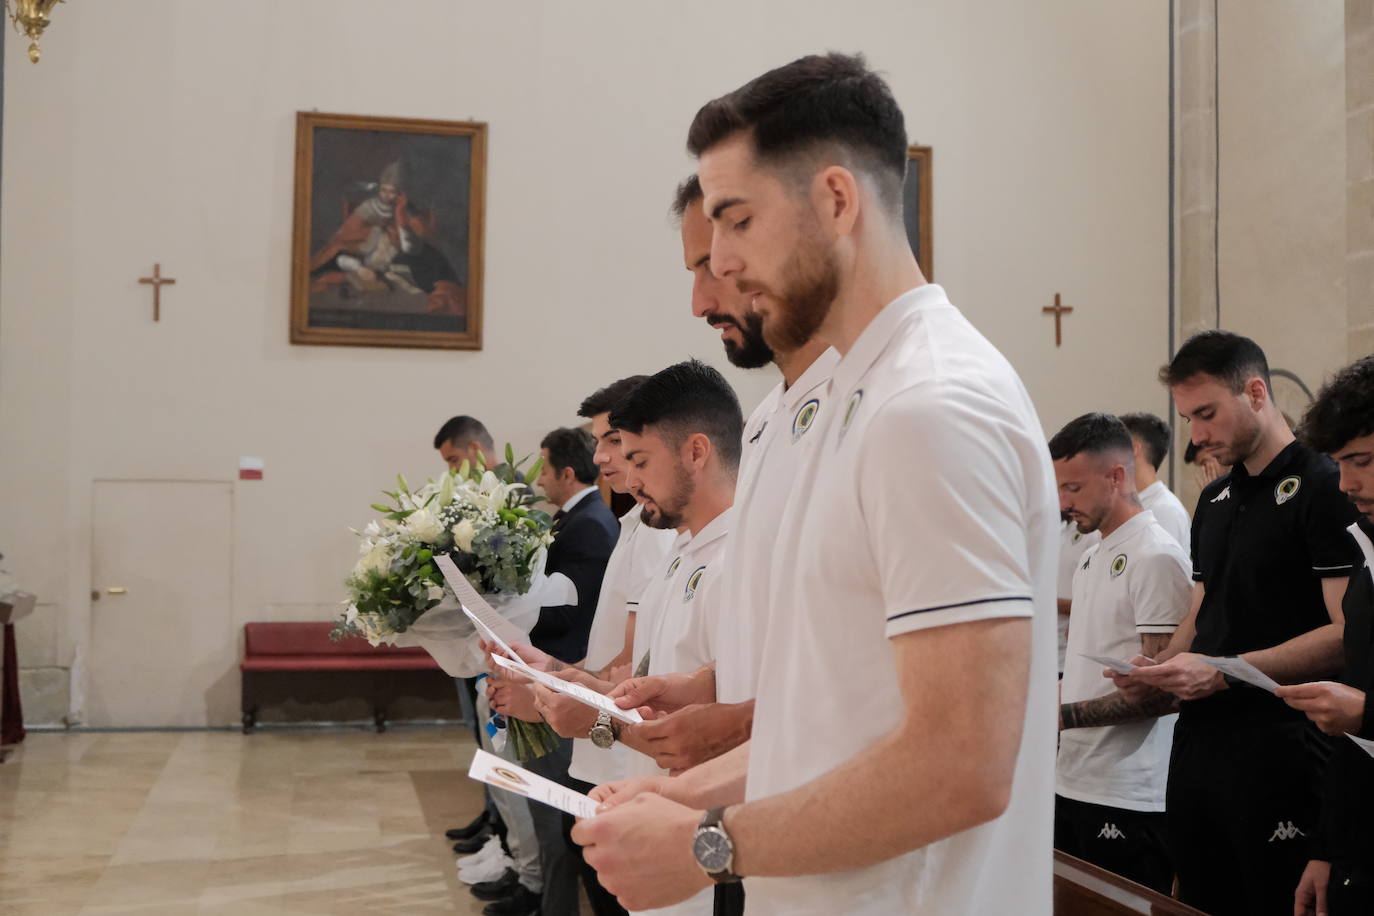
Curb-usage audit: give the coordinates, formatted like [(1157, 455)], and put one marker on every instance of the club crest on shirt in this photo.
[(1286, 490), (672, 569), (1118, 565), (693, 581), (851, 407), (804, 418), (1077, 536)]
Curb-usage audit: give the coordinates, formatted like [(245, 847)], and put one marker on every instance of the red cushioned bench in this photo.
[(277, 654)]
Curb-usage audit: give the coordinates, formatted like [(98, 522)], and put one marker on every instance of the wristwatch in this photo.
[(713, 848), (604, 732)]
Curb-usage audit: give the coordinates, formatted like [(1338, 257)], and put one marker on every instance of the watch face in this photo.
[(602, 736), (712, 850)]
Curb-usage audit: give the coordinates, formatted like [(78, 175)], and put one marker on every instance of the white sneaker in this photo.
[(491, 849), (490, 871)]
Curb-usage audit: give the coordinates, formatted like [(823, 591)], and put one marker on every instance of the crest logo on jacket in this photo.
[(1286, 490), (673, 568), (804, 418), (1118, 565), (693, 581)]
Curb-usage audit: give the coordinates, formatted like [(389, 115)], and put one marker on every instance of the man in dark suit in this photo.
[(585, 533)]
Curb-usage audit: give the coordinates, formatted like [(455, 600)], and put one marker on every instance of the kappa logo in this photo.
[(1086, 561), (1286, 831), (1286, 490), (754, 438), (1111, 832), (693, 581), (804, 418), (1118, 565), (851, 407), (1224, 494), (672, 569)]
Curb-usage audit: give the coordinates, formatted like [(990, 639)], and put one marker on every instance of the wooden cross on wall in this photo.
[(1058, 310), (157, 281)]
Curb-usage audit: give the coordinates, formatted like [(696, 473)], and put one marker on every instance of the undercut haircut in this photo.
[(821, 107), (606, 400), (464, 429), (1151, 432), (1343, 410), (572, 448), (1093, 434), (1227, 357), (685, 399), (687, 193)]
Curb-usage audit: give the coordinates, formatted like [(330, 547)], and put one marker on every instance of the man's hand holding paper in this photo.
[(1187, 676), (1335, 708)]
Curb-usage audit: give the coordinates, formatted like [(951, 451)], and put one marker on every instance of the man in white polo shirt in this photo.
[(681, 434), (1129, 593), (713, 707), (1151, 436), (901, 759)]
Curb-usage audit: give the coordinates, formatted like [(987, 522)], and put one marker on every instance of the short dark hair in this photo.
[(606, 400), (1343, 410), (572, 448), (799, 109), (682, 400), (1228, 357), (1153, 434), (1094, 433), (687, 193), (463, 429)]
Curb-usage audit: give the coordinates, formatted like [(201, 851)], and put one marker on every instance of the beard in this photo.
[(1242, 444), (668, 511), (810, 283), (753, 352)]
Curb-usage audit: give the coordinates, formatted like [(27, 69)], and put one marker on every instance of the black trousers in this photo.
[(1242, 800), (1131, 844), (729, 900), (1350, 894), (603, 902)]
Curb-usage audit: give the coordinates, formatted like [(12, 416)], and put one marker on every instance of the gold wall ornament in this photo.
[(30, 17)]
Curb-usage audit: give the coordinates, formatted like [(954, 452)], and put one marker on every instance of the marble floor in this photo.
[(279, 822)]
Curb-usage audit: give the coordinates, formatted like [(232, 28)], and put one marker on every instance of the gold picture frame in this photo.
[(388, 235), (917, 200)]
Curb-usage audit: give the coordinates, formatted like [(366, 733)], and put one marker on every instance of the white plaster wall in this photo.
[(162, 130)]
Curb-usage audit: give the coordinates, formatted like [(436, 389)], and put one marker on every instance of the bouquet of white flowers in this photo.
[(485, 520)]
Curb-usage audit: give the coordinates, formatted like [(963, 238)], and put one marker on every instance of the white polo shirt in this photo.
[(1169, 513), (676, 625), (1138, 580), (777, 433), (928, 500), (1072, 544), (638, 553)]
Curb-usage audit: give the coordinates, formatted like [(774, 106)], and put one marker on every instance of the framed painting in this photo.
[(916, 208), (387, 244)]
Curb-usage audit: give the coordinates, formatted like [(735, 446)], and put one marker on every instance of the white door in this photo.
[(162, 651)]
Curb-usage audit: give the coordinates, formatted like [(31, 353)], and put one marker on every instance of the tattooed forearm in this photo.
[(1115, 709)]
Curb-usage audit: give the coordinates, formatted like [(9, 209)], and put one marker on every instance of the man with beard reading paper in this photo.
[(891, 769), (1271, 559)]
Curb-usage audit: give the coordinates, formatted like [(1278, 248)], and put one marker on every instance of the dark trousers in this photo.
[(1131, 844), (1349, 894), (729, 900), (557, 862), (603, 901), (1242, 800)]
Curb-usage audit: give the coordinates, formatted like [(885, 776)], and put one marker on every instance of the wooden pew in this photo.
[(1081, 889)]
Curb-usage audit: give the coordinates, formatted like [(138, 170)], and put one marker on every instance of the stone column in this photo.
[(1359, 175)]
